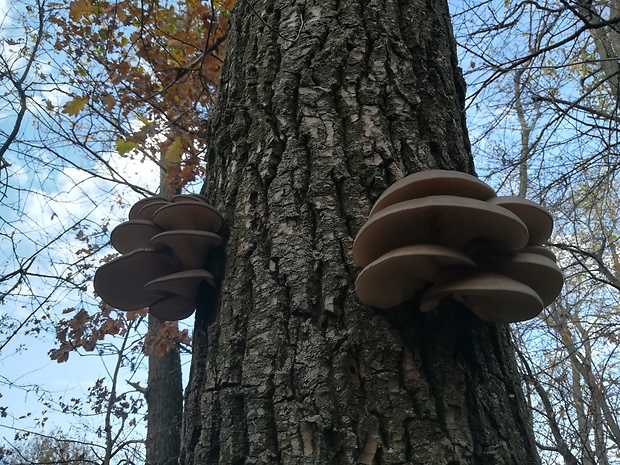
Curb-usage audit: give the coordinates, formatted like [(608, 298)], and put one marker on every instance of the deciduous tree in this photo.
[(322, 106)]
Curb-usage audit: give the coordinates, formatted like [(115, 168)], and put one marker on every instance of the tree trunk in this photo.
[(164, 397), (322, 106)]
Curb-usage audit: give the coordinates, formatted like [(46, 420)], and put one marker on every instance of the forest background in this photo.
[(103, 102)]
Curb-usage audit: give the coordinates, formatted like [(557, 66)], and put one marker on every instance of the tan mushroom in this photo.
[(540, 250), (120, 282), (133, 211), (396, 276), (433, 182), (190, 246), (537, 219), (492, 297), (190, 214), (133, 234), (534, 270), (442, 220)]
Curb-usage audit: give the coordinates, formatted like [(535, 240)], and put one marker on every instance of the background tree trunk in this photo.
[(164, 397), (322, 106)]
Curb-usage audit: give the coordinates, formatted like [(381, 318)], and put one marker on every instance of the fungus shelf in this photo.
[(165, 249), (449, 233)]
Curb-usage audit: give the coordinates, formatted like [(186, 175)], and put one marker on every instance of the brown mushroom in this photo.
[(189, 215), (184, 283), (537, 219), (120, 282), (492, 297), (172, 308), (431, 183), (133, 211), (395, 277), (191, 247), (189, 197), (148, 211), (443, 220), (133, 234)]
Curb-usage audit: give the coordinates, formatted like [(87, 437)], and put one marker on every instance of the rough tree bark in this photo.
[(323, 104)]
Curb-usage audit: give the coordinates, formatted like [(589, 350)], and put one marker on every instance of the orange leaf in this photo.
[(109, 101), (80, 8)]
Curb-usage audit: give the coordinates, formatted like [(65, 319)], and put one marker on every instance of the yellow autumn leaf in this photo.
[(80, 8), (174, 152), (123, 146), (73, 107)]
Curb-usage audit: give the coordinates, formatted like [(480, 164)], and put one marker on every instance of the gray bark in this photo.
[(323, 104)]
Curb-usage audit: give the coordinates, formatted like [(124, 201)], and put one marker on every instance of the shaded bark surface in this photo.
[(323, 105), (164, 397)]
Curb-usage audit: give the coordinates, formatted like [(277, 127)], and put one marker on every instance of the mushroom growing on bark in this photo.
[(492, 297), (397, 275), (165, 247), (450, 229), (440, 219)]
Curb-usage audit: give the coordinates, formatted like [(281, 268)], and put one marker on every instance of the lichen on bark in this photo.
[(324, 104)]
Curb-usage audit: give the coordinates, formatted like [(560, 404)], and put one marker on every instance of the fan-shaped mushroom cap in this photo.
[(133, 211), (395, 277), (183, 283), (536, 271), (433, 182), (172, 308), (190, 246), (443, 220), (133, 234), (492, 297), (148, 211), (120, 281), (189, 215), (540, 250), (189, 197), (537, 219)]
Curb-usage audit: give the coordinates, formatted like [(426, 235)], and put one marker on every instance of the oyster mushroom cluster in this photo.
[(164, 248), (448, 234)]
